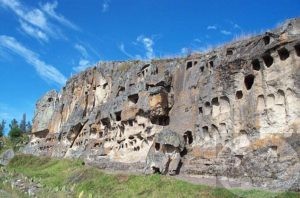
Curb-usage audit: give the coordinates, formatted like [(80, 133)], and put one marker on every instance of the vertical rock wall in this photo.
[(232, 112)]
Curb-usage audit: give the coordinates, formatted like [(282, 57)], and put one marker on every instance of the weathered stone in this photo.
[(6, 156), (232, 112)]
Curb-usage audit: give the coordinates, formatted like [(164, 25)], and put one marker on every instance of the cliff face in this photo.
[(232, 112)]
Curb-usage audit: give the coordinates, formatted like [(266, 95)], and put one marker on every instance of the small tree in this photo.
[(2, 127), (23, 123), (15, 132)]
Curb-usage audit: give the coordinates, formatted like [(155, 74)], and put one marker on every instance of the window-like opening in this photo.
[(161, 120), (195, 62), (239, 94), (155, 170), (268, 59), (118, 115), (215, 102), (249, 80), (133, 98), (105, 85), (283, 53), (50, 99), (131, 137), (207, 104), (130, 122), (200, 110), (202, 69), (188, 137), (266, 40), (157, 146), (189, 64), (297, 49), (105, 122), (229, 52), (211, 63), (205, 130), (256, 65)]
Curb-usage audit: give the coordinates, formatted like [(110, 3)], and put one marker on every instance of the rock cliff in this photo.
[(233, 112)]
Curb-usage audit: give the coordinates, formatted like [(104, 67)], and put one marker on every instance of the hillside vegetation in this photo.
[(71, 178)]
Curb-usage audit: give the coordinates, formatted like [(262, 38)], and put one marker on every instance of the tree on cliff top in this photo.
[(2, 127), (15, 132)]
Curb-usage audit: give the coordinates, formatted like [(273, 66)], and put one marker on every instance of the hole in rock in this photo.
[(229, 52), (215, 102), (283, 53), (195, 62), (161, 120), (130, 122), (105, 85), (118, 116), (133, 98), (200, 110), (157, 146), (266, 39), (207, 104), (297, 49), (105, 122), (268, 59), (188, 137), (239, 94), (249, 80), (211, 63), (155, 170), (202, 69), (256, 65), (50, 99), (189, 64)]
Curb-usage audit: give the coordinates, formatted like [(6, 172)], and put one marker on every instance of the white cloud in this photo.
[(47, 72), (49, 8), (197, 40), (148, 44), (37, 19), (211, 27), (34, 32), (225, 32), (122, 49), (83, 64), (105, 5), (81, 49)]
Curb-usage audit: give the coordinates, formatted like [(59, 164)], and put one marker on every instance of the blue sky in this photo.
[(42, 43)]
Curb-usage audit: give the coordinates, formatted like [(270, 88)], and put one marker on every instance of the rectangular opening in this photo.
[(189, 64), (133, 98)]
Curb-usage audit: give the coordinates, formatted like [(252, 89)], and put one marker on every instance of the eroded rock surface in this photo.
[(232, 112)]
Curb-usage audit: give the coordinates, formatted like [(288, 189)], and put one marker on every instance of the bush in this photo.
[(15, 133)]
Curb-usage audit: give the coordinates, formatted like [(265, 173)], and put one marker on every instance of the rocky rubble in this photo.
[(231, 112)]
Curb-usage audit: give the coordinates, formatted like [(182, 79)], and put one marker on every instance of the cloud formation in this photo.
[(225, 32), (211, 27), (148, 45), (49, 8), (47, 72), (36, 22)]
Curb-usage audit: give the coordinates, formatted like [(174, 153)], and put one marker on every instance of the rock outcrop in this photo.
[(233, 112)]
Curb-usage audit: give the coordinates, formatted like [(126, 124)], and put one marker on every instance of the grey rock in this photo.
[(6, 156)]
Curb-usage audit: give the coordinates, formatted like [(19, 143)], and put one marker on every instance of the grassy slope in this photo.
[(59, 176)]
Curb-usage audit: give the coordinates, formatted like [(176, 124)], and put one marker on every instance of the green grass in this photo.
[(65, 177)]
